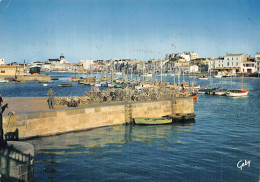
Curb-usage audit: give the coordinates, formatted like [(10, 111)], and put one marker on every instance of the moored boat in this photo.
[(177, 117), (237, 93), (220, 92), (203, 78), (152, 121), (65, 85), (193, 96)]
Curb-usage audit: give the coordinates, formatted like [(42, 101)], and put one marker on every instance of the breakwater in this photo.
[(45, 123)]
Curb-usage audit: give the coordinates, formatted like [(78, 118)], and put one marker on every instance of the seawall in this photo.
[(45, 123)]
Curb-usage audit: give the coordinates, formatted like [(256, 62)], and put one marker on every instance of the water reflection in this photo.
[(88, 141)]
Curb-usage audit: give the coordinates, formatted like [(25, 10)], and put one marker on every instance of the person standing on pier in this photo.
[(51, 98)]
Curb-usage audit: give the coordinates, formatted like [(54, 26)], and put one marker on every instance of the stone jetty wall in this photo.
[(76, 119)]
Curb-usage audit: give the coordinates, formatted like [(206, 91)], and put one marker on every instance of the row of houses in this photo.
[(187, 62)]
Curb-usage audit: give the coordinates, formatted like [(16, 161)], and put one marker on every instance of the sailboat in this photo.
[(221, 91), (238, 92)]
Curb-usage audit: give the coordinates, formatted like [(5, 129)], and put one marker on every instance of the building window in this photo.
[(228, 64), (236, 64), (2, 71), (222, 65), (232, 63), (227, 58), (232, 58), (237, 58)]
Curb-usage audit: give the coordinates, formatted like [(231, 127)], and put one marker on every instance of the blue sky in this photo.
[(35, 30)]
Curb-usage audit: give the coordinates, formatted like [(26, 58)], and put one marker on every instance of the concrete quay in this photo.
[(32, 117)]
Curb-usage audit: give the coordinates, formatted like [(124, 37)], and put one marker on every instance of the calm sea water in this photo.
[(226, 131)]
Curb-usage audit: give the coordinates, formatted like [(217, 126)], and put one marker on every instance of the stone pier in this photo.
[(52, 122)]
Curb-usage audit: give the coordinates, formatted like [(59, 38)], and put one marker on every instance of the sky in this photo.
[(35, 30)]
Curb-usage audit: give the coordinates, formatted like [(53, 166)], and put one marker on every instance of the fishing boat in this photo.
[(152, 121), (65, 85)]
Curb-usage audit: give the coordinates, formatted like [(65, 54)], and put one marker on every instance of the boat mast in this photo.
[(242, 81)]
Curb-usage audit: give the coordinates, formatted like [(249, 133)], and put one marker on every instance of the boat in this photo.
[(217, 76), (203, 91), (193, 96), (238, 92), (147, 75), (203, 78), (97, 84), (118, 73), (177, 117), (45, 84), (220, 92), (152, 121), (4, 81), (65, 85), (46, 81)]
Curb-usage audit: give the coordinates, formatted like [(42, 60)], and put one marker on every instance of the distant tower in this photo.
[(62, 59)]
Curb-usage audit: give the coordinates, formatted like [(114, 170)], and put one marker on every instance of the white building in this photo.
[(248, 66), (2, 61), (86, 63), (257, 60), (231, 63)]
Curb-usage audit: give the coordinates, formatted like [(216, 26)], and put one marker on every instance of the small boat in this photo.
[(203, 78), (54, 78), (152, 121), (203, 91), (118, 73), (181, 116), (47, 81), (220, 92), (193, 96), (45, 84), (4, 81), (217, 76), (110, 85), (65, 85), (97, 85), (237, 93), (147, 75)]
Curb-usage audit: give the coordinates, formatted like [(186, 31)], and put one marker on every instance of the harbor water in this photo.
[(225, 136)]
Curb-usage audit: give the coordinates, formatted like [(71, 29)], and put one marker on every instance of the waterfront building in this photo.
[(2, 61), (231, 63), (11, 70), (86, 63), (257, 60), (248, 66)]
